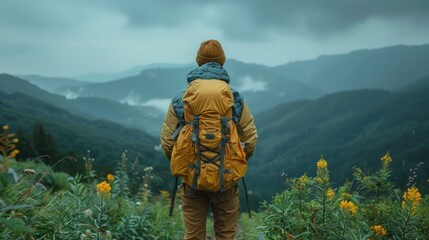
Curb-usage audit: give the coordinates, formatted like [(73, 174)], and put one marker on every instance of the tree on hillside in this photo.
[(25, 146), (44, 142)]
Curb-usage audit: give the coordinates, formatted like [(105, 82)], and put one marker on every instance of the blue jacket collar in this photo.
[(210, 70)]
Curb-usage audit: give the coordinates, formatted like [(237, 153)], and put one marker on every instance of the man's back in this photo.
[(203, 136)]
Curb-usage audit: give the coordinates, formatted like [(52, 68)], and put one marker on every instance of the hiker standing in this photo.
[(208, 135)]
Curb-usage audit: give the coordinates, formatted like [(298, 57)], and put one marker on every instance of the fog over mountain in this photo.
[(349, 128), (264, 87), (145, 118), (105, 77), (350, 107)]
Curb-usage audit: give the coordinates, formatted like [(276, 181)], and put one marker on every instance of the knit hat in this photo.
[(210, 51)]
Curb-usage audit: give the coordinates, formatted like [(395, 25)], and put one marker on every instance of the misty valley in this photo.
[(340, 112)]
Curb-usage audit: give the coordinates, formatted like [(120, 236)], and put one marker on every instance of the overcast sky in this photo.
[(70, 38)]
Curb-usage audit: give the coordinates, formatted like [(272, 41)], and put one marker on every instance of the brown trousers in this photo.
[(225, 207)]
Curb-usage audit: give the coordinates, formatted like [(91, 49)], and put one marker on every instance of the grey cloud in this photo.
[(167, 13), (324, 18), (247, 20), (254, 19), (50, 36), (32, 15)]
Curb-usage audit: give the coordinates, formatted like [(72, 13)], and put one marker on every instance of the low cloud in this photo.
[(248, 84), (70, 95), (158, 103), (132, 99)]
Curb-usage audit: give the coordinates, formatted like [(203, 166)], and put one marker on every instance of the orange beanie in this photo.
[(210, 51)]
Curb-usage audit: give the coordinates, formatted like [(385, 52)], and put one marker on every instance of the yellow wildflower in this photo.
[(110, 177), (322, 171), (103, 188), (303, 179), (412, 196), (5, 127), (386, 159), (344, 204), (379, 230), (348, 207), (15, 140), (330, 194), (322, 163), (164, 193), (14, 153)]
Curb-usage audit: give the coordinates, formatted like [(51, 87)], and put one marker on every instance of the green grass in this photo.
[(39, 203)]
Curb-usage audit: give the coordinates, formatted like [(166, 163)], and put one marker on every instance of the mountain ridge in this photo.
[(383, 68), (75, 133), (350, 128), (263, 87), (143, 118)]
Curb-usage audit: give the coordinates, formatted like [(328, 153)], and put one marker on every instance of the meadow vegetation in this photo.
[(37, 202)]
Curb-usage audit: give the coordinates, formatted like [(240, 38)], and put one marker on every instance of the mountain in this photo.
[(350, 128), (52, 84), (419, 84), (106, 140), (387, 68), (106, 77), (261, 87), (144, 118), (149, 84)]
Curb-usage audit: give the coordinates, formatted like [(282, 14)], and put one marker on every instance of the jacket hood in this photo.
[(211, 70)]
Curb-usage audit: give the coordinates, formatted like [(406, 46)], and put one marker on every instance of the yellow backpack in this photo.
[(208, 154)]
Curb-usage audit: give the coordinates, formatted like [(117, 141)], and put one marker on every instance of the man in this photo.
[(203, 135)]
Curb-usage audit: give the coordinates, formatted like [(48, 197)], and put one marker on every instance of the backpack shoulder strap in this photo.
[(179, 109), (237, 107)]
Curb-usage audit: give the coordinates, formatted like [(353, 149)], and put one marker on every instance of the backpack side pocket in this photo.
[(183, 153)]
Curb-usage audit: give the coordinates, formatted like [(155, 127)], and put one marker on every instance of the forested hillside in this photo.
[(140, 117), (51, 84), (351, 128), (70, 135)]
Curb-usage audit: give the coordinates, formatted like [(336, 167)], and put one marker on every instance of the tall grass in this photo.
[(38, 203), (368, 207)]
